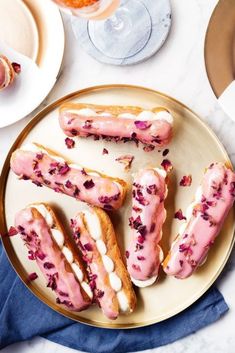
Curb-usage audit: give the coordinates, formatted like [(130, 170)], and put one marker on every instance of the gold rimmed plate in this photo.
[(192, 149)]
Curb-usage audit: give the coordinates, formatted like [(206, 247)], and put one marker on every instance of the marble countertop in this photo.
[(178, 70)]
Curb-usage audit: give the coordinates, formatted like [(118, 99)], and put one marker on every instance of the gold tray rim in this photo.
[(15, 263), (209, 34)]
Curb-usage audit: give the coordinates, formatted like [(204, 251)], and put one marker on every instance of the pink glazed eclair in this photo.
[(144, 255), (205, 218), (95, 237), (151, 127), (55, 255), (44, 167)]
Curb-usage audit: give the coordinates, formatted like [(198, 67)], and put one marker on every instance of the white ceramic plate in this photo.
[(35, 29)]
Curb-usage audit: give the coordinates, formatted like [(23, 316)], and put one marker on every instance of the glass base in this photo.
[(125, 33), (135, 32)]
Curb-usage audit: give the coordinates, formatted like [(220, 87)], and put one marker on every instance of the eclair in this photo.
[(95, 237), (144, 254), (45, 168), (7, 73), (150, 127), (56, 257), (204, 220)]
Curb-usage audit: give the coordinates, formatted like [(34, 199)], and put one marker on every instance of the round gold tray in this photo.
[(193, 148), (219, 48)]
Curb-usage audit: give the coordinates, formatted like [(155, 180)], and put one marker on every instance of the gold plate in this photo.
[(193, 148), (219, 48)]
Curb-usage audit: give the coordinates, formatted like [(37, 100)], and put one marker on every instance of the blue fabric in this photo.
[(23, 316)]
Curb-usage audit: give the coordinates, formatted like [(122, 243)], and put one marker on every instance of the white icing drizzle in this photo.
[(189, 210), (59, 239), (95, 231), (68, 254), (145, 115)]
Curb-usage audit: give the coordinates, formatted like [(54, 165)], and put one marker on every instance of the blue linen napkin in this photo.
[(23, 316)]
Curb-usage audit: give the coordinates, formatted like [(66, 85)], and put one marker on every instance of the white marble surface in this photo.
[(178, 69)]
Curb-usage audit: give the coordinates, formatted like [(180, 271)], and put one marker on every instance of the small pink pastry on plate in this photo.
[(144, 255), (55, 255), (120, 123), (7, 72), (205, 218), (95, 237), (44, 167)]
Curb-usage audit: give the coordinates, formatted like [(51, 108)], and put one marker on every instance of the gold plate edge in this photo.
[(3, 229)]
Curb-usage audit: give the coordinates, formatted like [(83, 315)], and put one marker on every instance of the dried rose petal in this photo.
[(232, 188), (165, 152), (76, 191), (37, 183), (63, 294), (12, 231), (40, 255), (32, 276), (141, 258), (46, 182), (152, 189), (142, 230), (52, 281), (63, 169), (136, 267), (31, 255), (148, 148), (16, 68), (108, 199), (99, 293), (156, 139), (127, 254), (89, 184), (105, 151), (83, 172), (25, 177), (181, 263), (48, 265), (70, 143), (186, 180), (126, 160), (179, 215), (140, 239), (185, 248), (137, 209), (68, 184), (74, 132), (142, 125), (138, 247), (166, 164), (39, 156), (88, 124), (140, 198), (88, 247)]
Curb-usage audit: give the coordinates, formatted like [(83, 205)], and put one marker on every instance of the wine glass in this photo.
[(116, 29)]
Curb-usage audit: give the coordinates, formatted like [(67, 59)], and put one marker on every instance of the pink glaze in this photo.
[(157, 132), (103, 292), (37, 237), (147, 218), (190, 249), (42, 169)]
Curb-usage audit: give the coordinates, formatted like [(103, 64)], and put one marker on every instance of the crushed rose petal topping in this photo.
[(105, 151), (179, 215), (166, 164), (89, 184), (142, 125), (186, 180), (70, 143), (32, 276)]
